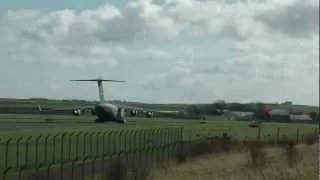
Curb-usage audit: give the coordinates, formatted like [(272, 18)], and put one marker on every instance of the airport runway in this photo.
[(9, 126), (24, 126)]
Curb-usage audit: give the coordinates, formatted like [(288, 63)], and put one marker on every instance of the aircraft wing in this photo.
[(136, 108), (148, 112), (75, 111)]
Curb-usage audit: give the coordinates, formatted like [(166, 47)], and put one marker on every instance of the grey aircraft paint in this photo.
[(107, 111), (103, 110)]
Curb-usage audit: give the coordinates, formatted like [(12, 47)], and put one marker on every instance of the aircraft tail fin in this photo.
[(98, 80), (100, 86), (39, 108)]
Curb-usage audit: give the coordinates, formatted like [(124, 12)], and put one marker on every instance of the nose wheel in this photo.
[(118, 122)]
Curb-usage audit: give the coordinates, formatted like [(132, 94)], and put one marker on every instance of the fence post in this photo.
[(259, 133), (84, 153), (36, 163), (18, 152), (27, 150), (278, 135), (62, 160), (181, 148), (54, 148), (298, 135), (91, 136), (7, 152), (316, 133), (69, 146), (77, 144), (5, 173), (103, 150), (61, 147), (46, 149)]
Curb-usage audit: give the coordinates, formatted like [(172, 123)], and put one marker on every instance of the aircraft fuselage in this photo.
[(108, 112)]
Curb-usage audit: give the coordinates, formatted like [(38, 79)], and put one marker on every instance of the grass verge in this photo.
[(274, 163)]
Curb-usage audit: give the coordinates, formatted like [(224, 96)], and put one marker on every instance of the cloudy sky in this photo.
[(166, 50)]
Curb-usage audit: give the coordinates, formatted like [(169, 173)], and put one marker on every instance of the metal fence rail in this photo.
[(76, 155), (33, 153)]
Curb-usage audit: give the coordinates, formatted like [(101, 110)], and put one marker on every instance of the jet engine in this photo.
[(149, 114), (76, 112), (134, 113)]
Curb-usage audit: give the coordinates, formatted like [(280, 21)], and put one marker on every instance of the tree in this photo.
[(313, 115), (212, 109), (194, 110), (221, 104), (262, 111), (240, 107)]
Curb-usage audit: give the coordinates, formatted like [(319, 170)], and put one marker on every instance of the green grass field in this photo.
[(72, 103), (214, 125), (236, 166), (72, 137)]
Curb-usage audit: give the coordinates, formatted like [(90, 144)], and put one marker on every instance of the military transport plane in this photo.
[(106, 111)]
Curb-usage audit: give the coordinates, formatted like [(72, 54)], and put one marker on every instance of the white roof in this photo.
[(279, 112), (238, 113), (302, 117)]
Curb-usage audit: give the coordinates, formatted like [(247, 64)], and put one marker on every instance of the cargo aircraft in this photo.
[(106, 111)]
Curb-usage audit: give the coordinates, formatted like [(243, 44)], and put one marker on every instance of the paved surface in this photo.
[(24, 126), (14, 126)]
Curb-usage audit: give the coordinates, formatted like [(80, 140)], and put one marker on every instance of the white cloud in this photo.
[(297, 19), (200, 49), (158, 54)]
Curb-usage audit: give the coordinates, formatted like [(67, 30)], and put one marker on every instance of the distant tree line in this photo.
[(259, 109), (315, 116), (216, 108)]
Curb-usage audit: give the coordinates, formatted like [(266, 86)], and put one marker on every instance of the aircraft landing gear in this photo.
[(118, 122), (123, 121), (98, 121)]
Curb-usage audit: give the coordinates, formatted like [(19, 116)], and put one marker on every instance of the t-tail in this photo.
[(100, 85), (39, 108)]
